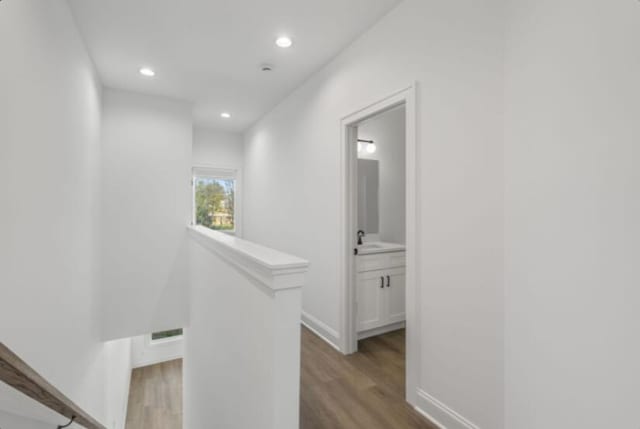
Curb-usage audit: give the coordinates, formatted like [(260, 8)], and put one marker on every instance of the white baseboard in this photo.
[(322, 330), (381, 330), (440, 414)]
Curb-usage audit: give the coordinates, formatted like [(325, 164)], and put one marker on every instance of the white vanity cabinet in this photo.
[(380, 292)]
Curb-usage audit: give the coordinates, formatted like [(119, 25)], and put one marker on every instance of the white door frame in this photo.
[(349, 155)]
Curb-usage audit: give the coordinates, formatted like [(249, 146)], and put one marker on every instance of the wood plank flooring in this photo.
[(361, 391), (155, 397)]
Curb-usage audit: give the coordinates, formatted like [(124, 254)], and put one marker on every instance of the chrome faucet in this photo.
[(360, 235)]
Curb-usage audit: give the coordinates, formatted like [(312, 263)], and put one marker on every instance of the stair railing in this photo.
[(17, 374)]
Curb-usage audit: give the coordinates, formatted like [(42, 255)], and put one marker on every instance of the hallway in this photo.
[(361, 391)]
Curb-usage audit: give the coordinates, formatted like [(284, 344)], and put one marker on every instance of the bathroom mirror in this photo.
[(368, 195)]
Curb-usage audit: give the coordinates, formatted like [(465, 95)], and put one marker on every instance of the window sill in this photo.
[(165, 340)]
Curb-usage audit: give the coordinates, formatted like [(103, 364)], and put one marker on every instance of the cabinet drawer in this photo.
[(380, 261), (397, 259)]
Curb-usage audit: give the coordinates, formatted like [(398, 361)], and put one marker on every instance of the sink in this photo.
[(367, 246), (379, 247)]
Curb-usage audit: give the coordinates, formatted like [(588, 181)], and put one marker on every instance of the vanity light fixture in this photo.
[(371, 146), (225, 115)]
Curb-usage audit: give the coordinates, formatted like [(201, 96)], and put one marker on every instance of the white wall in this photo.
[(216, 148), (20, 410), (388, 132), (49, 200), (12, 421), (146, 206), (145, 352), (292, 182), (572, 205)]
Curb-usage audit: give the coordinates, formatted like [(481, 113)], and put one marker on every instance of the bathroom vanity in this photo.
[(380, 288)]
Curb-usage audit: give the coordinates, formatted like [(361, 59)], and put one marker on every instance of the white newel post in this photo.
[(287, 308), (236, 271)]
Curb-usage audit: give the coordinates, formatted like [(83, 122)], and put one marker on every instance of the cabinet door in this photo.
[(369, 295), (395, 295)]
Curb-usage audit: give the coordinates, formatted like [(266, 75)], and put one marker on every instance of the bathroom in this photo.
[(380, 254)]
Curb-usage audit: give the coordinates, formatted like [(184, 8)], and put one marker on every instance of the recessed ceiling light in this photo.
[(146, 71), (225, 115), (284, 42)]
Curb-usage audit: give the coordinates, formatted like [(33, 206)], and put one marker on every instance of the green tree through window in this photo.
[(215, 203)]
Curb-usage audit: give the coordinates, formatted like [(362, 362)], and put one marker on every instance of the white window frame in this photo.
[(219, 173)]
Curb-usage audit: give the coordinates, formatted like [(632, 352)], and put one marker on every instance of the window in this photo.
[(214, 199), (163, 335)]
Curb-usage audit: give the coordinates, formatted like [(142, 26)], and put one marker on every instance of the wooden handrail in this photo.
[(17, 374)]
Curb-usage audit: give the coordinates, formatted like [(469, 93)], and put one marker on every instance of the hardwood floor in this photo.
[(155, 397), (361, 391), (364, 390)]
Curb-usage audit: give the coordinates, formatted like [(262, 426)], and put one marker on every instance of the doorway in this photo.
[(390, 275)]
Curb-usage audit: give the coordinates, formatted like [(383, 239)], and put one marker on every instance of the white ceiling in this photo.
[(209, 51)]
